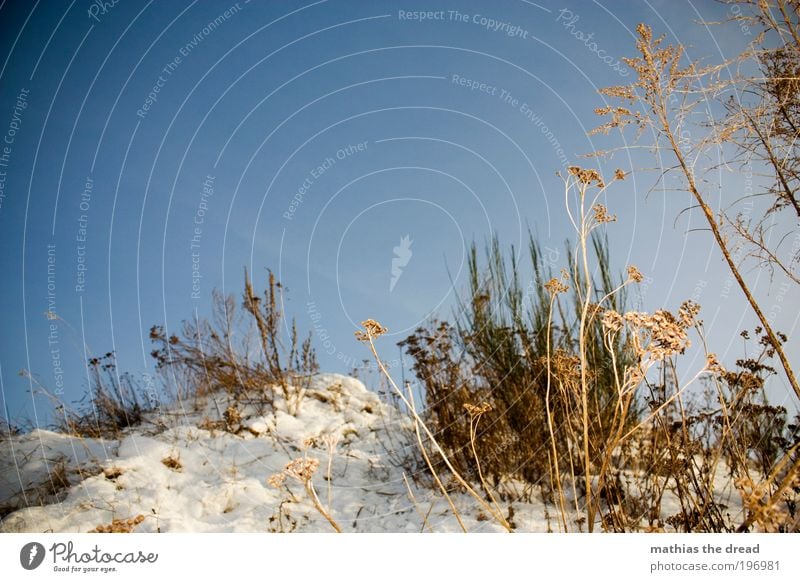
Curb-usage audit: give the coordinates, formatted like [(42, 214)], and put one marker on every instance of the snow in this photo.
[(217, 481), (191, 475)]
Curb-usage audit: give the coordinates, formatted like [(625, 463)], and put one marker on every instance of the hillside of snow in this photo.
[(184, 472)]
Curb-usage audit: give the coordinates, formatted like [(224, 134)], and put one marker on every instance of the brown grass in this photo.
[(119, 525)]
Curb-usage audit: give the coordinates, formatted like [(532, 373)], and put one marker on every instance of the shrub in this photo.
[(113, 403), (497, 353), (206, 356)]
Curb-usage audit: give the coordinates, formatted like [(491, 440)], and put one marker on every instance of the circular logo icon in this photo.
[(31, 555)]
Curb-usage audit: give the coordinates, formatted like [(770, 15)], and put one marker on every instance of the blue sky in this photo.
[(155, 142)]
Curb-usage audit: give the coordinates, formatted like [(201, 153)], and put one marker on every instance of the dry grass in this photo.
[(372, 330), (207, 357), (617, 429), (172, 462), (302, 470), (119, 525)]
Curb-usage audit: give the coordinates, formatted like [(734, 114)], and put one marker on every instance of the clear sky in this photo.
[(153, 150)]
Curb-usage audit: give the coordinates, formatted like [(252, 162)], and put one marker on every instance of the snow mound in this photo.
[(199, 473)]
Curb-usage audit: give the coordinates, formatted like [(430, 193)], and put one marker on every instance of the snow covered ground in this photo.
[(182, 471), (192, 479)]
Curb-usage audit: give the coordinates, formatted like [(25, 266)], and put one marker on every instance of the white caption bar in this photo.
[(356, 557)]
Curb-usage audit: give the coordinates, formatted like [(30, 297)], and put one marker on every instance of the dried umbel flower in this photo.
[(474, 411), (660, 334), (601, 214), (302, 469), (634, 274), (713, 365), (566, 367), (612, 321), (586, 176), (277, 480), (372, 329), (667, 334), (688, 312), (554, 287), (756, 499)]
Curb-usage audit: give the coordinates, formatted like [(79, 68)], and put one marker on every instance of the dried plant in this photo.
[(119, 525), (208, 358), (172, 462), (330, 440), (666, 92), (371, 330), (757, 132), (302, 470)]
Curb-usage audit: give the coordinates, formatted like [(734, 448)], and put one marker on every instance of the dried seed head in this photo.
[(601, 214), (554, 287), (612, 321), (659, 335), (302, 469), (474, 411), (566, 367), (372, 329), (688, 313), (586, 176), (757, 500), (619, 174), (634, 274), (277, 480), (713, 365), (667, 336), (593, 310)]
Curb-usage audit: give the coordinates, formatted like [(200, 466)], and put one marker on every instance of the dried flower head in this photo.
[(474, 411), (634, 274), (612, 321), (667, 336), (659, 335), (713, 365), (757, 500), (586, 176), (601, 214), (277, 480), (372, 329), (688, 313), (593, 310), (620, 116), (619, 174), (566, 367), (302, 469), (554, 287)]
